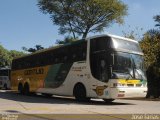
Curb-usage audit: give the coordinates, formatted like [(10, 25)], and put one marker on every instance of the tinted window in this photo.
[(4, 72), (100, 44), (64, 54), (125, 45)]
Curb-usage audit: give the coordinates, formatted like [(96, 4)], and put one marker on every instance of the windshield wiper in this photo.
[(130, 75)]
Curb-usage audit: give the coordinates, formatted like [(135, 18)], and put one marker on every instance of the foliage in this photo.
[(6, 56), (66, 40), (150, 45), (157, 19), (37, 47), (81, 17), (133, 34), (15, 54)]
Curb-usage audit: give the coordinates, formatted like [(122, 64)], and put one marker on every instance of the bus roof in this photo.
[(76, 42), (5, 68), (113, 36), (51, 48)]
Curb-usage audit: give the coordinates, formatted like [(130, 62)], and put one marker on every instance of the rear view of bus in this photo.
[(118, 62)]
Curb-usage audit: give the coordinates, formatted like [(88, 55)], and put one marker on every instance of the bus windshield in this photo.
[(122, 45), (128, 66)]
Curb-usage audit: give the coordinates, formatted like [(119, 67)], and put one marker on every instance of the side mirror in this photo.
[(111, 71)]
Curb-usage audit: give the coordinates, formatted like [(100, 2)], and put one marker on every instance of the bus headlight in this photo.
[(117, 84)]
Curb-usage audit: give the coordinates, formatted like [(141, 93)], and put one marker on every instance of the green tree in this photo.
[(133, 33), (14, 54), (66, 40), (150, 45), (157, 19), (31, 50), (4, 57), (81, 17)]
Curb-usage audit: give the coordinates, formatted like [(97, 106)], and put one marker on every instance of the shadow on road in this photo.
[(10, 95), (143, 99)]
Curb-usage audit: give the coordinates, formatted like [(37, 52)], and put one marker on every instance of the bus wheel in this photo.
[(5, 87), (26, 89), (20, 88), (108, 100), (80, 93)]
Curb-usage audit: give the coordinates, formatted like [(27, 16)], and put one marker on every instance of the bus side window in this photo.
[(78, 51)]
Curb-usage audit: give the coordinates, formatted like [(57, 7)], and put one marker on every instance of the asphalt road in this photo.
[(37, 107)]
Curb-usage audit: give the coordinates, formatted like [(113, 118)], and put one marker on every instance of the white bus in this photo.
[(5, 78), (104, 66)]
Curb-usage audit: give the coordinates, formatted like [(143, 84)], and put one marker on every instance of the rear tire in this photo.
[(20, 88), (5, 86), (80, 93), (26, 90), (47, 95)]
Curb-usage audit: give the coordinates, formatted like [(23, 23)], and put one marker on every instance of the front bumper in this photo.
[(122, 92)]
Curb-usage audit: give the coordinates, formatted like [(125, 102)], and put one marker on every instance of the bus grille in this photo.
[(138, 85), (130, 85)]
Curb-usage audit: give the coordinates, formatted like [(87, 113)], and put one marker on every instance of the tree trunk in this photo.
[(85, 33), (74, 36)]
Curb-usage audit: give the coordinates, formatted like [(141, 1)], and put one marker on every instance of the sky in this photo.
[(23, 24)]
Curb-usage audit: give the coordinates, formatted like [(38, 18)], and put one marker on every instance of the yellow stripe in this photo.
[(34, 76), (122, 81)]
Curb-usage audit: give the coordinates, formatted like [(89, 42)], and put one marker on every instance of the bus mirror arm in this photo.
[(111, 70)]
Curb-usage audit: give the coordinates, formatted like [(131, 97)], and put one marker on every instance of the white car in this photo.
[(4, 78), (4, 82)]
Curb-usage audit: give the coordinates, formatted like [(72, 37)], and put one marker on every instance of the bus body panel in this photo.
[(78, 73), (33, 76)]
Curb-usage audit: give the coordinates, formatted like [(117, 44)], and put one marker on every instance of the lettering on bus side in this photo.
[(34, 71), (78, 68)]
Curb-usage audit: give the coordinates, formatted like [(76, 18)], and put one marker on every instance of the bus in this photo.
[(5, 78), (103, 66)]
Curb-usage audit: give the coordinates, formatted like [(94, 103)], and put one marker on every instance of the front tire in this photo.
[(108, 100), (80, 93)]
